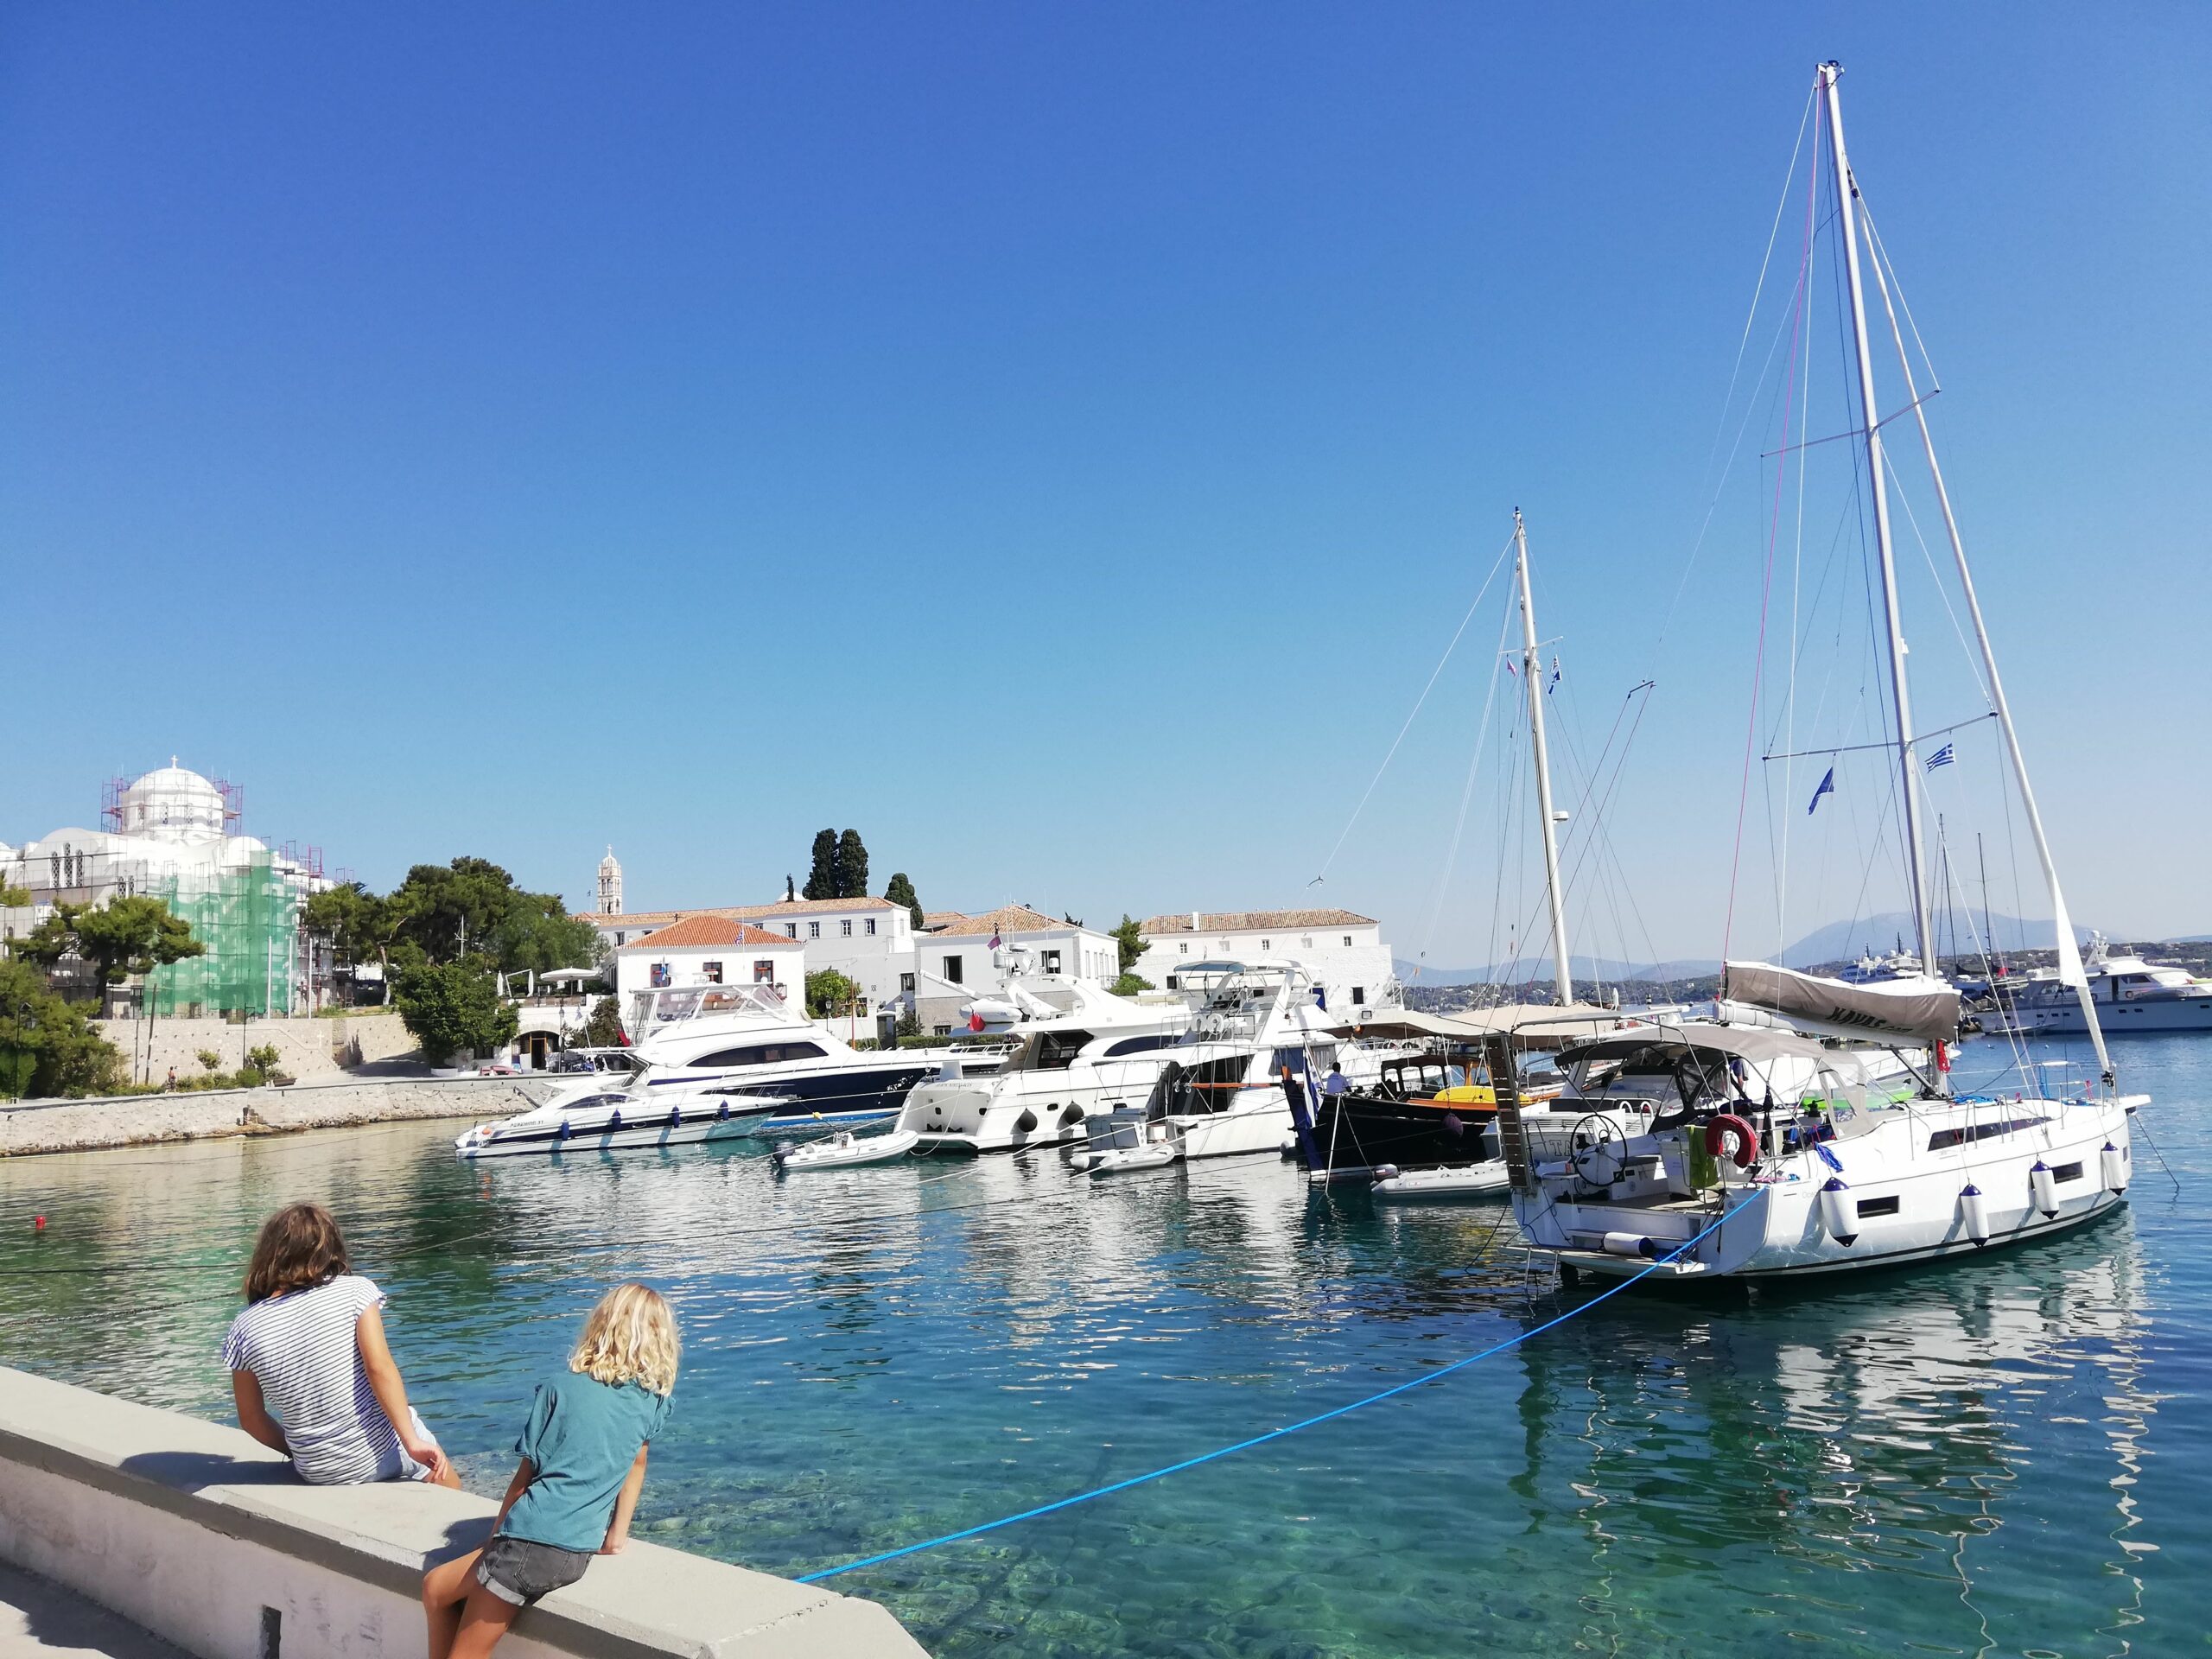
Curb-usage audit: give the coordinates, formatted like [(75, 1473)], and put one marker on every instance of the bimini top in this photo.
[(1753, 1043)]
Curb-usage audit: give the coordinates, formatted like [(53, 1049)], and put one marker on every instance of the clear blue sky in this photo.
[(1055, 441)]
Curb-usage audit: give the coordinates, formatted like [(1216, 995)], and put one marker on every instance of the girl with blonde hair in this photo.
[(583, 1465)]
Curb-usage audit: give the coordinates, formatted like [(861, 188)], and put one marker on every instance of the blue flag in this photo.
[(1553, 682), (1943, 756), (1828, 787)]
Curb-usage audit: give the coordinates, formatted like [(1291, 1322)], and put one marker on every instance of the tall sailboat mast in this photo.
[(1563, 977), (2070, 956), (1908, 778)]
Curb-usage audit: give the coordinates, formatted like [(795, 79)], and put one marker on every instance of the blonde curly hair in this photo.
[(630, 1338)]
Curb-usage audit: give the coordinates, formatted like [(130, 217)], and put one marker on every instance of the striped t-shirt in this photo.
[(302, 1350)]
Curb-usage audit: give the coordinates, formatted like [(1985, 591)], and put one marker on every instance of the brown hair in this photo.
[(300, 1248)]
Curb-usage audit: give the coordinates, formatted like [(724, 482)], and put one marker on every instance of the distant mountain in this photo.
[(1847, 941)]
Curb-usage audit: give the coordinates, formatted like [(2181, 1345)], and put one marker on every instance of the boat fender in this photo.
[(1727, 1128), (675, 1116), (563, 1131), (1975, 1209), (1838, 1214), (1072, 1116), (1026, 1124), (2045, 1186), (1631, 1244), (2113, 1163), (722, 1113)]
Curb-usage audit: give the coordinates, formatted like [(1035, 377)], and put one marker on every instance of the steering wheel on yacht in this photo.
[(1600, 1150)]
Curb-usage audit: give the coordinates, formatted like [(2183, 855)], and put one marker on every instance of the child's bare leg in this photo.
[(445, 1589), (484, 1620)]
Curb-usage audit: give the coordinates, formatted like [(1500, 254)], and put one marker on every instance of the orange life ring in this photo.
[(1728, 1127)]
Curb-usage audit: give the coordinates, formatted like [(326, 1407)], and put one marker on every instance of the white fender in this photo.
[(1838, 1214), (1974, 1209), (2044, 1186), (2112, 1162)]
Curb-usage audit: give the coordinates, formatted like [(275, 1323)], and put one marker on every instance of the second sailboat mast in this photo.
[(1531, 678)]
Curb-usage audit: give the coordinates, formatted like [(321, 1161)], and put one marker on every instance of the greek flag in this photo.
[(1553, 682), (1828, 787), (1943, 756)]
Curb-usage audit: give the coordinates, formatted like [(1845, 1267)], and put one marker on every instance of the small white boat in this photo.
[(845, 1150), (1485, 1180), (1153, 1155)]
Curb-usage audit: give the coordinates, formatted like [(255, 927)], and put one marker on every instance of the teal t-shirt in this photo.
[(581, 1437)]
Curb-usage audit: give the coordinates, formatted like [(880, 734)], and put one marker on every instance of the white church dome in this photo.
[(172, 801)]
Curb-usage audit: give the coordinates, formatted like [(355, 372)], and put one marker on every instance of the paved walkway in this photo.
[(40, 1620)]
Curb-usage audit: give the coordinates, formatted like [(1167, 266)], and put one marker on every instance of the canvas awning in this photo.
[(1531, 1025), (1755, 1044), (1919, 1009)]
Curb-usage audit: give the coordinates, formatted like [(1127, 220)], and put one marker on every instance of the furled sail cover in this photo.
[(1925, 1010)]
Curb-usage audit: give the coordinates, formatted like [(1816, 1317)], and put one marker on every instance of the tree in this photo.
[(359, 925), (829, 994), (1129, 984), (118, 939), (48, 1046), (538, 933), (451, 1006), (1129, 938), (822, 878), (603, 1029), (900, 891), (852, 866)]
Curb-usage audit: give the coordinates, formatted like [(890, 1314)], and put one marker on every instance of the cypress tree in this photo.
[(822, 880), (900, 891), (852, 866)]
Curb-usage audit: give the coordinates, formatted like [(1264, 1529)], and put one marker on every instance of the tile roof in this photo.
[(780, 907), (1245, 921), (1007, 918), (942, 917), (698, 929)]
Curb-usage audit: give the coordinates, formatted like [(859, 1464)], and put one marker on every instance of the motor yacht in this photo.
[(1219, 1090), (1084, 1052), (2130, 993)]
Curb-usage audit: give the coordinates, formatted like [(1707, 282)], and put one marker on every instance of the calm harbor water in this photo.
[(2007, 1456)]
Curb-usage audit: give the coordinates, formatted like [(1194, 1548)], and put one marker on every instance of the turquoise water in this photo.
[(2008, 1456)]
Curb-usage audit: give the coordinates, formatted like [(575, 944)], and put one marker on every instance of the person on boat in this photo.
[(1336, 1083), (310, 1371), (583, 1465)]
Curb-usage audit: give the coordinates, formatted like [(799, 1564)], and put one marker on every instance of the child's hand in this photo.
[(615, 1545), (426, 1451)]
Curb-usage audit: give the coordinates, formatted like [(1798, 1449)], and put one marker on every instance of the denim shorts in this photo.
[(516, 1570)]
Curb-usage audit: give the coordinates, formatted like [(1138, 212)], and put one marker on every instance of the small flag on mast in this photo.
[(1943, 756), (1828, 787), (1554, 681)]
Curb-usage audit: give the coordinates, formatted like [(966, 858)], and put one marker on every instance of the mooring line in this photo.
[(1288, 1428)]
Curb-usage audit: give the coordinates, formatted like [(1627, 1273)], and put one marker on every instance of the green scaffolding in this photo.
[(248, 917)]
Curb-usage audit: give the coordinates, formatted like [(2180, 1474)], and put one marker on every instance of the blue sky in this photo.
[(1058, 442)]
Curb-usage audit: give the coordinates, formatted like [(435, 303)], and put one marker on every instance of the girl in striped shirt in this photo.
[(309, 1368)]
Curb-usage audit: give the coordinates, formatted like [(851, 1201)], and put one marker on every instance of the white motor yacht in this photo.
[(1098, 1053), (2130, 993), (716, 1062)]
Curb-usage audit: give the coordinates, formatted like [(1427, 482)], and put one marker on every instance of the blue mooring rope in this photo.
[(1289, 1428)]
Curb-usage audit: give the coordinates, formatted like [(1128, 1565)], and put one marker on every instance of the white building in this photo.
[(961, 957), (870, 941), (171, 834), (1344, 952), (702, 950), (610, 885)]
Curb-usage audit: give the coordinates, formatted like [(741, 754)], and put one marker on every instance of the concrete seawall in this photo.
[(205, 1538), (136, 1120)]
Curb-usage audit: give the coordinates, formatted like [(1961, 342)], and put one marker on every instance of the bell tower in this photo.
[(610, 885)]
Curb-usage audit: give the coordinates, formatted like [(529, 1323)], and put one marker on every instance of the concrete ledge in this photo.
[(194, 1531), (139, 1120)]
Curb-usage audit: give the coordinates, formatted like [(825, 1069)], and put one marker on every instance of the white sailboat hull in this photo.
[(1903, 1200)]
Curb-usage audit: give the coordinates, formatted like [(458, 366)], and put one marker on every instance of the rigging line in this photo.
[(1414, 715), (1874, 237), (1942, 589), (1467, 791), (1766, 586), (1720, 424), (1855, 432), (1511, 1342), (1854, 748)]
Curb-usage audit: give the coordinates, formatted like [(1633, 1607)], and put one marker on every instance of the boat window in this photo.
[(1056, 1049), (762, 1054), (1140, 1045), (1943, 1138), (1879, 1206), (2067, 1172)]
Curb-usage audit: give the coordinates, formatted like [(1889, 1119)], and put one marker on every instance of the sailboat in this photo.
[(1791, 1158)]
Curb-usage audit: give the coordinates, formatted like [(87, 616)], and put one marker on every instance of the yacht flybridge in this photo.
[(1806, 1160)]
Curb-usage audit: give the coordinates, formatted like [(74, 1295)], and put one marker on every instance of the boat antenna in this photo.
[(1846, 214), (2070, 971), (1532, 680)]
